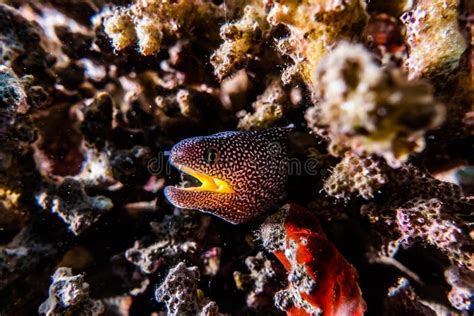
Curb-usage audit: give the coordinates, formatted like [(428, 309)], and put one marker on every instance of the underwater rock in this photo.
[(175, 238), (20, 44), (402, 300)]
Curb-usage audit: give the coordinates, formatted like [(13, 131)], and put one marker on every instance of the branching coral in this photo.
[(315, 26), (320, 279), (241, 40), (68, 295), (402, 300), (181, 295), (149, 23), (268, 108), (371, 109), (433, 36)]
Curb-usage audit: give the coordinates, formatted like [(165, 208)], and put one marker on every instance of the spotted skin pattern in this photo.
[(252, 163)]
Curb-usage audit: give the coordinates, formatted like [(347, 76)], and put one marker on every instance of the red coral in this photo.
[(320, 279)]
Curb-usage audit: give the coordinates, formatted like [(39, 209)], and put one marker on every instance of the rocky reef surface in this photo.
[(379, 210)]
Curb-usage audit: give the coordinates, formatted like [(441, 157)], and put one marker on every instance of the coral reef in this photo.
[(371, 109), (175, 238), (241, 40), (320, 279), (377, 95), (269, 107), (69, 294)]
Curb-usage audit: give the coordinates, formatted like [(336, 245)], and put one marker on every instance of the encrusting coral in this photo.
[(370, 109), (320, 279)]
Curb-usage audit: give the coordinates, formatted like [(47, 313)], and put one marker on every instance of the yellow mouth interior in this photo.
[(208, 183)]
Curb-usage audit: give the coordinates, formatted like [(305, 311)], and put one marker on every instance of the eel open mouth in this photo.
[(208, 183)]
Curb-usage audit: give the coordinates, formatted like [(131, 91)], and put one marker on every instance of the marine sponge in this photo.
[(70, 201), (69, 295), (241, 40), (181, 295), (433, 36), (320, 279), (315, 26), (148, 23), (358, 175), (269, 107), (371, 109)]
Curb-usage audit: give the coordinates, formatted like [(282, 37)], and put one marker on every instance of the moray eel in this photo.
[(241, 174)]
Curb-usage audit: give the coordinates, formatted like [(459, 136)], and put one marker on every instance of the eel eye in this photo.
[(211, 155)]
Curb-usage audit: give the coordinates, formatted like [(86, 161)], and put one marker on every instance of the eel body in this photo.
[(241, 174)]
